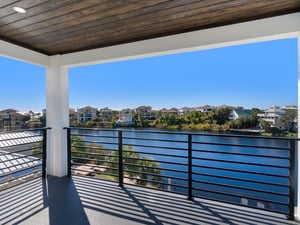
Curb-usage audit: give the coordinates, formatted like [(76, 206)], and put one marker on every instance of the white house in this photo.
[(272, 115)]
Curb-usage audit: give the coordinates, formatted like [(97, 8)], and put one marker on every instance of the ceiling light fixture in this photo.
[(19, 9)]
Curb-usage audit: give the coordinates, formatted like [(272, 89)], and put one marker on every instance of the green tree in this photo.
[(221, 115), (287, 120), (143, 169)]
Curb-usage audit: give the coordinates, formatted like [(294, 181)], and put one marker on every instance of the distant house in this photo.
[(146, 112), (239, 113), (125, 118), (169, 111), (184, 110), (272, 115), (10, 119), (105, 115), (206, 108), (86, 114)]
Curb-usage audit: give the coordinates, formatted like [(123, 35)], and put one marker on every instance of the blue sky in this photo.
[(252, 75)]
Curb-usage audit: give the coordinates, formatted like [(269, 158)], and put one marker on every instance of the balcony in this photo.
[(85, 201), (199, 179)]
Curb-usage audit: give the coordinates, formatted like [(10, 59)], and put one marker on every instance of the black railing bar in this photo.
[(93, 165), (241, 179), (79, 169), (86, 146), (94, 136), (25, 186), (158, 154), (156, 175), (93, 172), (153, 182), (93, 154), (19, 170), (293, 146), (108, 174), (242, 154), (247, 136), (14, 169), (22, 144), (155, 146), (18, 140), (32, 135), (161, 168), (98, 142), (91, 147), (240, 162), (10, 196), (242, 171), (20, 178), (22, 150), (241, 188), (240, 145), (239, 196), (32, 159), (239, 204), (38, 155), (96, 160), (159, 161), (186, 133), (106, 149), (24, 130), (153, 139)]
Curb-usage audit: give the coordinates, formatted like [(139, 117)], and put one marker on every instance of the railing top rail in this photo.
[(188, 133), (24, 130)]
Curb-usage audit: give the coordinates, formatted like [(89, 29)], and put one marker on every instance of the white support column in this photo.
[(57, 109), (297, 164)]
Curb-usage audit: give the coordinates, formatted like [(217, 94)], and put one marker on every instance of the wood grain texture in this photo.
[(64, 26)]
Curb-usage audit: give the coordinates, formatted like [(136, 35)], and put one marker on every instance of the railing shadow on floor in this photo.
[(50, 201), (85, 201)]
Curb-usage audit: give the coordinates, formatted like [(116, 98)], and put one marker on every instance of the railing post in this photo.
[(292, 180), (69, 151), (120, 153), (44, 153), (190, 177)]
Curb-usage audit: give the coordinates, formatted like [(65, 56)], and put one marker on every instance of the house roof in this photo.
[(65, 26), (87, 108), (18, 138), (13, 162), (243, 112)]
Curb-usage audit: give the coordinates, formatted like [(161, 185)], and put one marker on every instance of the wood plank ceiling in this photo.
[(64, 26)]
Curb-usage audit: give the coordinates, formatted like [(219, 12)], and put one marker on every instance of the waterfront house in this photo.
[(86, 114), (146, 112), (272, 115), (59, 35), (105, 115), (125, 118)]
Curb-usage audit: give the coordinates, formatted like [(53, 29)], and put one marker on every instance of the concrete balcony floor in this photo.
[(84, 201)]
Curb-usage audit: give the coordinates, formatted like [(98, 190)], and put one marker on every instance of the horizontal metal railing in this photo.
[(253, 171), (22, 156)]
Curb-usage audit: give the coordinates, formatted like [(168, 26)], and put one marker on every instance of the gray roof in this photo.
[(13, 162), (18, 138)]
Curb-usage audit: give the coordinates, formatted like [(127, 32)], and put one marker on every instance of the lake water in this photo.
[(244, 168)]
